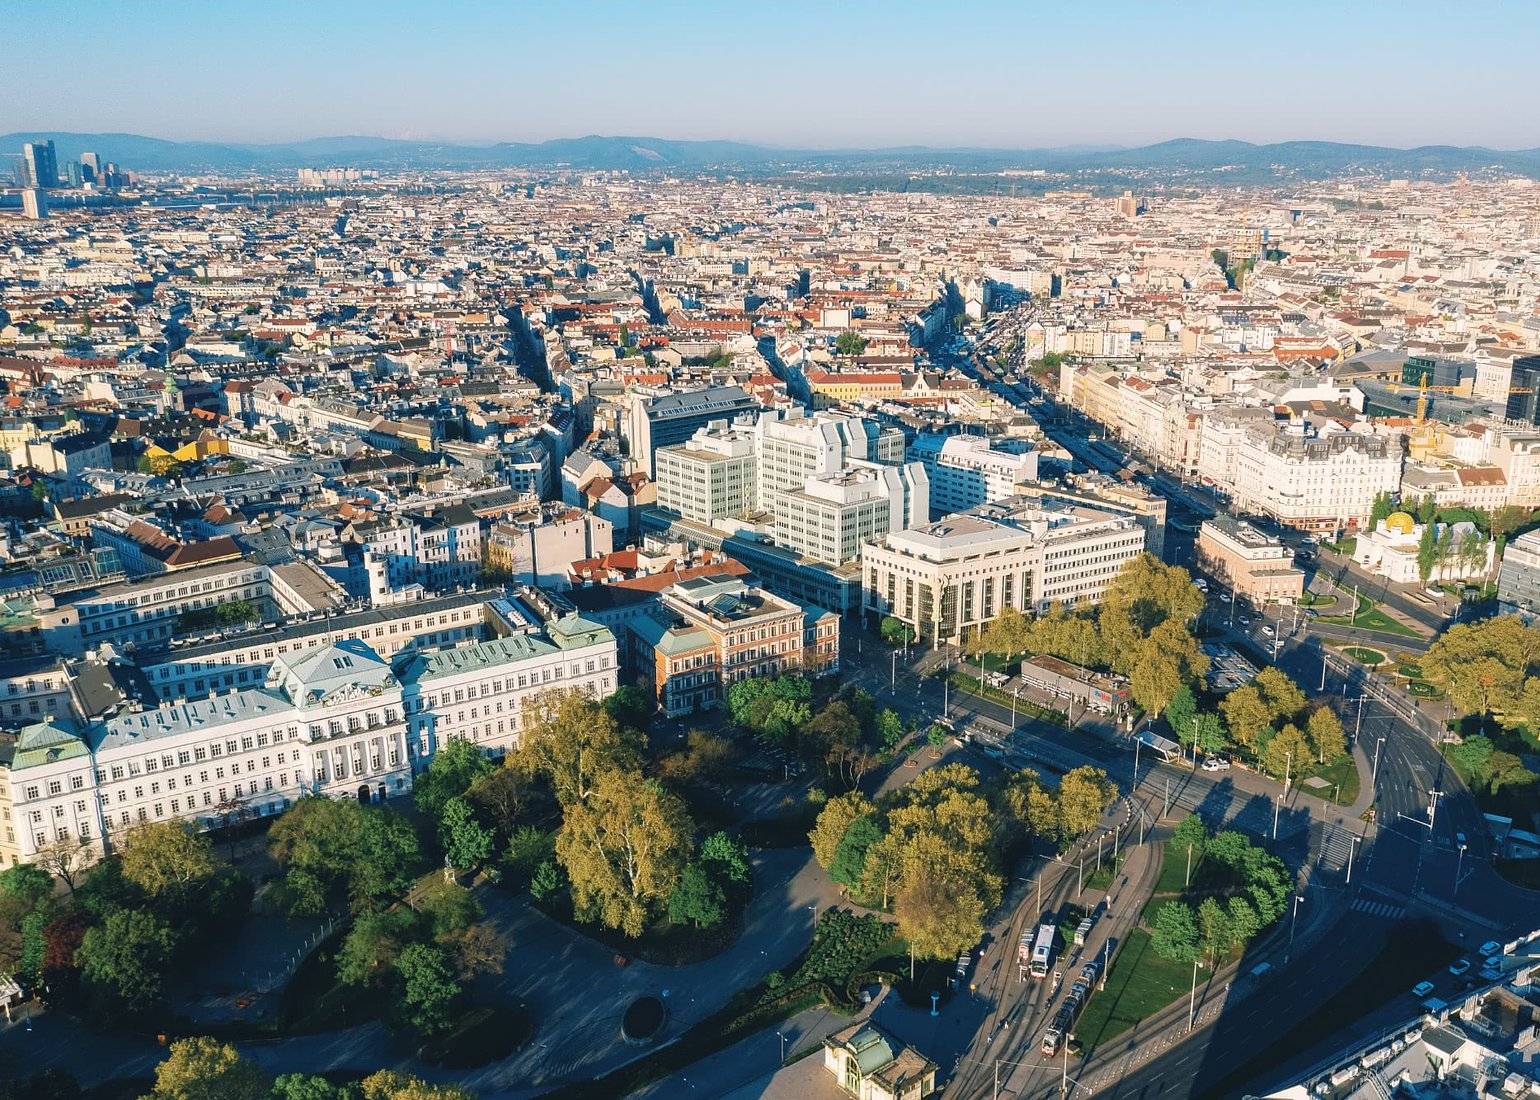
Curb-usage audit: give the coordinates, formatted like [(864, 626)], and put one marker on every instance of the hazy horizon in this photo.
[(858, 75)]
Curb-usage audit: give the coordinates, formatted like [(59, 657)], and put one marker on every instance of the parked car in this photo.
[(1268, 631), (1216, 764), (1460, 967), (1491, 947), (1422, 989)]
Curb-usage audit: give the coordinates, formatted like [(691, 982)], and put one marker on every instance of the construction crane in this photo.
[(1423, 389)]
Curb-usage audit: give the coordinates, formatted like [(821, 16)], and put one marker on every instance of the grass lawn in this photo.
[(1316, 599), (315, 1001), (1139, 984), (1346, 547), (1206, 875), (1102, 876), (1375, 619), (1364, 655), (1341, 773)]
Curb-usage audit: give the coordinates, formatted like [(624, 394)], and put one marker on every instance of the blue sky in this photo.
[(840, 73)]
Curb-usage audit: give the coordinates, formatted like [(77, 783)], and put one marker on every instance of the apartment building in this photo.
[(951, 576), (966, 471), (538, 546), (1254, 564), (1313, 479), (712, 476), (832, 515), (708, 633)]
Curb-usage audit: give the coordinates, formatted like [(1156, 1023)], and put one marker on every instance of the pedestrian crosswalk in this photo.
[(1377, 908), (1336, 846)]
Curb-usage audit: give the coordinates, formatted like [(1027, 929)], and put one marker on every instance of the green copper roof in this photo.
[(574, 632), (45, 743)]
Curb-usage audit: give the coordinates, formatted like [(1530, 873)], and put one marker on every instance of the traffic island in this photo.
[(643, 1021)]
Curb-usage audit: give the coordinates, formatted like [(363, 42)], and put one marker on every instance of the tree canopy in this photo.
[(572, 740)]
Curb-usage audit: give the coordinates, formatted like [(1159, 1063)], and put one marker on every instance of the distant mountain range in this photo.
[(1181, 158)]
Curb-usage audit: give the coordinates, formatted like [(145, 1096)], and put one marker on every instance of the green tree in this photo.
[(1084, 795), (1176, 933), (1382, 507), (1181, 715), (935, 737), (123, 961), (367, 956), (1427, 551), (697, 899), (429, 987), (1211, 733), (850, 857), (725, 858), (467, 843), (629, 706), (1325, 733), (305, 1086), (890, 728), (1190, 832), (1244, 925), (623, 849), (546, 882), (455, 767), (167, 860), (895, 631), (206, 1069), (572, 740), (1247, 715), (849, 343), (334, 846), (833, 821), (1215, 934), (26, 884)]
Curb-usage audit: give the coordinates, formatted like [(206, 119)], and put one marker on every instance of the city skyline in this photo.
[(858, 77)]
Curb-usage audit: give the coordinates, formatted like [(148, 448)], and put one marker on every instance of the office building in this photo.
[(1523, 404), (966, 471), (1313, 479), (792, 447), (664, 419), (956, 574), (711, 476), (34, 204), (90, 167), (832, 515), (39, 165), (1255, 565), (1518, 578)]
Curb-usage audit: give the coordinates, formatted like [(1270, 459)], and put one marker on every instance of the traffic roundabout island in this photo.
[(1364, 655), (643, 1021)]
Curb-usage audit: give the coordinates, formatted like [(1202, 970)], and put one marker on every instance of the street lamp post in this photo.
[(1375, 773), (1294, 920), (782, 1036), (1358, 724), (1459, 863), (1136, 762), (1192, 997), (1352, 851), (893, 672)]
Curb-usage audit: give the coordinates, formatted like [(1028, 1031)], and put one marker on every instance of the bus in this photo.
[(1042, 950)]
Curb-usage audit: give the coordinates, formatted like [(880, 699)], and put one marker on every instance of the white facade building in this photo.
[(956, 574), (965, 471)]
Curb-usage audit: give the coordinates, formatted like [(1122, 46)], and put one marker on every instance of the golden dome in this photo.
[(1400, 522)]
